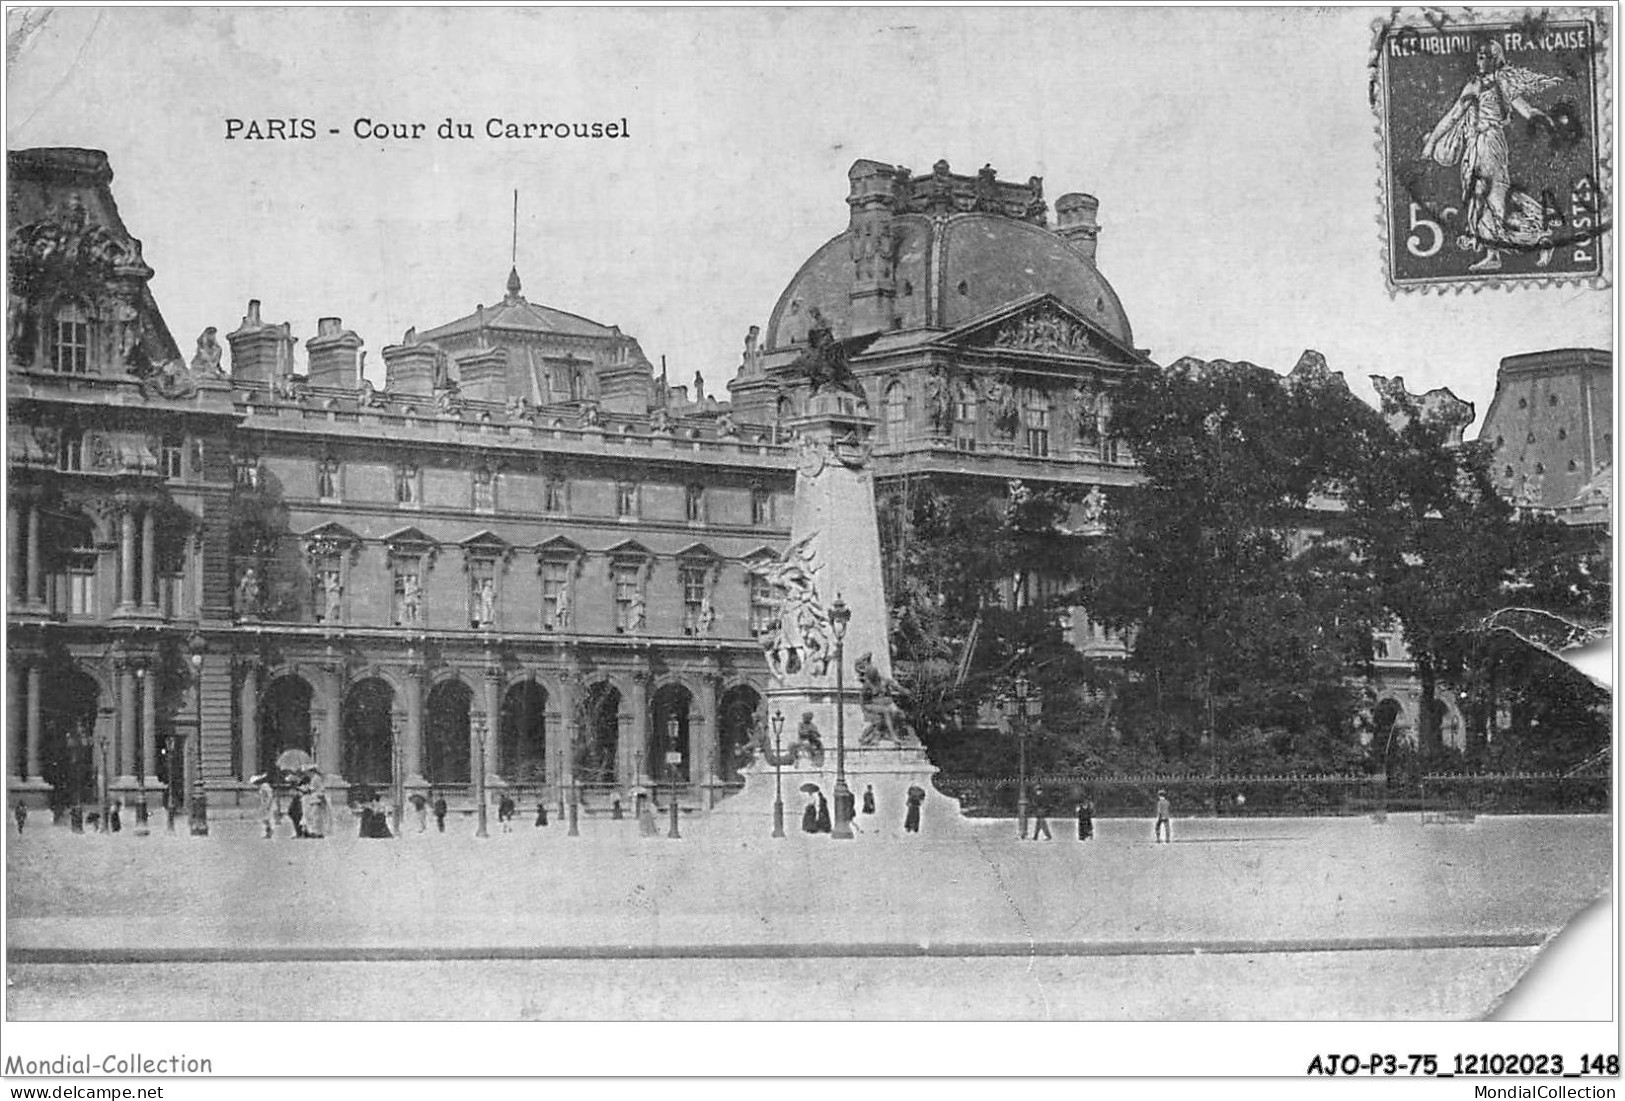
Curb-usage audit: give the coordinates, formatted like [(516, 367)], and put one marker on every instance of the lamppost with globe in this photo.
[(839, 616), (778, 775), (673, 758), (141, 829), (199, 810), (1023, 710), (480, 830)]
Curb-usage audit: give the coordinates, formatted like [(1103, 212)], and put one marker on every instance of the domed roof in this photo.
[(949, 271)]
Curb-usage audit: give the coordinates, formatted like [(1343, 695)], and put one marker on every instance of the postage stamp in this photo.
[(1496, 132)]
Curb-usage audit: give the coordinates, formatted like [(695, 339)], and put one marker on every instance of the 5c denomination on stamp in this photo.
[(1496, 132)]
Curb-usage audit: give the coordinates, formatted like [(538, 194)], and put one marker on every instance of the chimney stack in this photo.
[(335, 356), (260, 352), (1076, 219)]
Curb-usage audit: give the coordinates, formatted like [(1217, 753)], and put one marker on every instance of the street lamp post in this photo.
[(481, 830), (141, 829), (839, 616), (1022, 705), (778, 775), (673, 756), (104, 820), (200, 801), (575, 791)]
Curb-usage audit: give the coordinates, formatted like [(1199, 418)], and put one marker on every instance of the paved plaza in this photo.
[(1239, 918)]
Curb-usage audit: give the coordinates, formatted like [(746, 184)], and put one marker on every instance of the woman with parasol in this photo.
[(809, 813)]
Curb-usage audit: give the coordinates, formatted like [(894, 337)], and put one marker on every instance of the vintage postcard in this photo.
[(547, 518)]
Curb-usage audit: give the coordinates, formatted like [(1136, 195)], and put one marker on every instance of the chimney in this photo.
[(484, 374), (260, 352), (1075, 220), (335, 356), (409, 367)]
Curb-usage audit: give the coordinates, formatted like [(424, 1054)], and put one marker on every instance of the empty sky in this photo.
[(1234, 153)]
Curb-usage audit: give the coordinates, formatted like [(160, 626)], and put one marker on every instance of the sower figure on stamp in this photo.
[(1473, 134)]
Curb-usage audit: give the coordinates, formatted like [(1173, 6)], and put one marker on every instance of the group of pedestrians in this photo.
[(1162, 829)]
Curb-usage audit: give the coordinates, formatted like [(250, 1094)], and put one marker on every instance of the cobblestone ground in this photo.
[(1463, 906)]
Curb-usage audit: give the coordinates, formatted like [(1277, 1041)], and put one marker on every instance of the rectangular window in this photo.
[(174, 458), (694, 504), (693, 598), (485, 495), (82, 585), (764, 604), (964, 443), (406, 484), (553, 495), (761, 507), (626, 597), (482, 593), (408, 592), (1038, 431), (70, 453), (626, 499), (555, 576), (71, 350)]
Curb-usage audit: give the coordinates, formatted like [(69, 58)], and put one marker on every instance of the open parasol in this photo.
[(810, 789), (260, 778), (294, 760), (916, 791)]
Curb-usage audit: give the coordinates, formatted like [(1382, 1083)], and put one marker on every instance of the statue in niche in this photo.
[(411, 601), (248, 593), (561, 609), (1093, 508), (637, 614), (206, 360), (1083, 414), (485, 602), (1001, 404), (939, 402), (332, 596), (707, 617)]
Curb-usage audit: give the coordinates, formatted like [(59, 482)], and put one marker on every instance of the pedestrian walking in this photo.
[(1086, 820), (114, 820), (645, 815), (420, 807), (911, 820), (296, 814), (1164, 822), (541, 813), (505, 812), (20, 813), (267, 796), (868, 799), (440, 813), (1039, 821)]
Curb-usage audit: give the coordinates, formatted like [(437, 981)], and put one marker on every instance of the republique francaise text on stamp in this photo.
[(1496, 133)]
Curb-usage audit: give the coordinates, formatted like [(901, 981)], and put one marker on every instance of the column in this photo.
[(149, 727), (565, 736), (123, 756), (149, 568), (493, 683), (637, 737), (31, 578), (248, 717), (33, 734), (702, 768), (16, 762), (413, 762), (126, 574), (330, 750), (16, 563)]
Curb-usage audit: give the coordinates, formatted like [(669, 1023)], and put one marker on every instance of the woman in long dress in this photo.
[(1472, 134)]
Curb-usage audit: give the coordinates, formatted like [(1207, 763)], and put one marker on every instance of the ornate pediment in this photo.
[(560, 547), (329, 540), (1042, 325)]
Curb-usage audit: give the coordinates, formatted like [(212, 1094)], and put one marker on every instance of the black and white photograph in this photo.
[(523, 521)]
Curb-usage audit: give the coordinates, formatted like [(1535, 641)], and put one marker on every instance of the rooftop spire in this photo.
[(513, 272), (513, 285)]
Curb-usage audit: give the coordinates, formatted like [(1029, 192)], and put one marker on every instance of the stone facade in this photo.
[(1551, 424)]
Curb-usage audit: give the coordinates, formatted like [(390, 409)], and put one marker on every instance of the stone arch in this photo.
[(672, 716), (522, 748), (1390, 717), (284, 718), (736, 728), (447, 746), (369, 738), (71, 725), (596, 753)]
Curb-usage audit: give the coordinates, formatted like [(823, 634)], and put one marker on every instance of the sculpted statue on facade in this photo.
[(485, 604), (751, 364), (411, 601), (939, 401), (1093, 508), (637, 614), (248, 593), (561, 608), (824, 363), (1083, 414), (332, 596), (707, 617), (883, 719), (206, 360)]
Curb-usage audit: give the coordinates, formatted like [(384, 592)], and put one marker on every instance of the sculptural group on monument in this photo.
[(798, 639)]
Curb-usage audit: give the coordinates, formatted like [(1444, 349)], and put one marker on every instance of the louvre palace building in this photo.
[(524, 556)]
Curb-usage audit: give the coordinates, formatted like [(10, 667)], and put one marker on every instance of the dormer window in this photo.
[(70, 342)]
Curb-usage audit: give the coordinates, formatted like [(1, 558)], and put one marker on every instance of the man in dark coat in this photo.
[(296, 814), (1086, 820), (911, 821), (440, 813), (809, 817), (541, 814), (1040, 809), (868, 799), (505, 811)]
